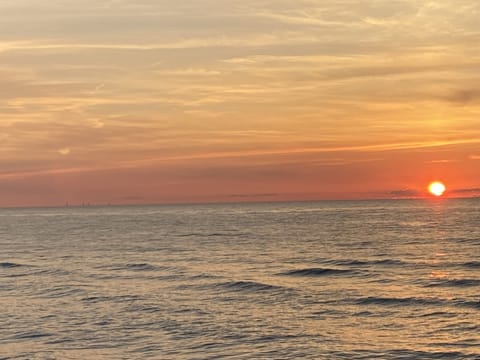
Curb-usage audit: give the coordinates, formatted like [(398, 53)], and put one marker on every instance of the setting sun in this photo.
[(436, 188)]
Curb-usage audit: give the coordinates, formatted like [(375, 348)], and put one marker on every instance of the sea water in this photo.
[(313, 280)]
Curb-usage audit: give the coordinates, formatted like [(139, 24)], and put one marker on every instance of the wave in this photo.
[(204, 276), (132, 267), (140, 267), (250, 286), (455, 283), (386, 262), (472, 264), (417, 354), (60, 291), (9, 265), (316, 272), (392, 301), (147, 308), (55, 272), (439, 314), (402, 354), (116, 299), (31, 335), (468, 303), (59, 341), (414, 301), (276, 337), (214, 234)]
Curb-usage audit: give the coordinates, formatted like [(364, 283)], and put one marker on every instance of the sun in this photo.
[(436, 188)]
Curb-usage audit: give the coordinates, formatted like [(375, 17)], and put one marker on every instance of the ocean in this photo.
[(396, 279)]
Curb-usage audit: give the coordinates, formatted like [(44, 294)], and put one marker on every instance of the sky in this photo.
[(161, 101)]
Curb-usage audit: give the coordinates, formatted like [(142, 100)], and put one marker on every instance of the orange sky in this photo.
[(157, 101)]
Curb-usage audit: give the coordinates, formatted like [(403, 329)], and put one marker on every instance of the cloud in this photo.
[(442, 161), (471, 191), (254, 195), (133, 198), (97, 124), (64, 151), (465, 96), (405, 193)]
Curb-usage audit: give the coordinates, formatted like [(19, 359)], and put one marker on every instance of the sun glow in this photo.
[(436, 188)]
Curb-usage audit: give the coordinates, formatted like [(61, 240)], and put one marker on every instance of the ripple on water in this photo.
[(141, 267), (454, 283), (381, 262), (472, 264), (416, 301), (394, 301), (60, 291), (31, 335), (131, 267), (249, 286), (9, 265), (415, 354), (310, 272), (115, 299)]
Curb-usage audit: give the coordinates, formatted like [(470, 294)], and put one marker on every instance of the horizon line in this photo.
[(227, 202)]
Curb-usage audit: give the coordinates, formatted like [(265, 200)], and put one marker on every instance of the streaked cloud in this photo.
[(467, 191), (64, 151), (405, 193)]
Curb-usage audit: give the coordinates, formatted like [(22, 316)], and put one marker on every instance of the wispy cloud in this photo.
[(64, 151), (405, 193), (442, 161), (467, 191)]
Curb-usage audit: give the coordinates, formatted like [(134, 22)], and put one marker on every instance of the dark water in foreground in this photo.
[(327, 280)]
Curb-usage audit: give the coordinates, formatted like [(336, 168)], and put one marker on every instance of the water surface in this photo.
[(320, 280)]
